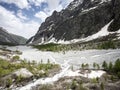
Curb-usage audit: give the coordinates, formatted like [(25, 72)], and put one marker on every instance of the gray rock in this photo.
[(23, 72), (80, 19)]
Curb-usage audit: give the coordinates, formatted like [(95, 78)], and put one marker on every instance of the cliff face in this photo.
[(7, 38), (80, 19)]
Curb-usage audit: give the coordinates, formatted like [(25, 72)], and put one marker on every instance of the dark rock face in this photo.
[(80, 19), (115, 25), (10, 39)]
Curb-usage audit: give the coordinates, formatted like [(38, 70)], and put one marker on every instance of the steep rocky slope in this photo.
[(7, 38), (82, 18)]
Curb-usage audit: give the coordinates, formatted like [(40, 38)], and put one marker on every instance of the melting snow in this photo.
[(103, 32), (31, 41), (86, 10), (74, 4), (65, 72), (70, 58)]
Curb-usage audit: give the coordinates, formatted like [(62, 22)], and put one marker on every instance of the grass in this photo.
[(38, 70), (6, 67), (49, 47), (56, 47), (110, 44), (107, 45)]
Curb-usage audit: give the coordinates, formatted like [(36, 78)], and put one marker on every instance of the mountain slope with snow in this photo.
[(82, 20)]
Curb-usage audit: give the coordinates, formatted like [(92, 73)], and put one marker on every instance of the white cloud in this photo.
[(21, 16), (14, 25), (20, 3), (36, 2), (65, 3), (24, 3), (42, 15), (53, 3), (17, 25), (57, 5)]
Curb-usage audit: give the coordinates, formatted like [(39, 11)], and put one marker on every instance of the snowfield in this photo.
[(66, 61), (75, 58)]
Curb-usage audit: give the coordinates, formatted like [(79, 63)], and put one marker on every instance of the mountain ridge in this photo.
[(79, 21), (7, 38)]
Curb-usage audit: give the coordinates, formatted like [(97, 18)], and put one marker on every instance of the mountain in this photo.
[(7, 38), (81, 21)]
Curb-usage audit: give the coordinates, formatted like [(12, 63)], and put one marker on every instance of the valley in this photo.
[(71, 69), (75, 48)]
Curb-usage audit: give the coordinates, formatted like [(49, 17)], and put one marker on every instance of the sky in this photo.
[(24, 17)]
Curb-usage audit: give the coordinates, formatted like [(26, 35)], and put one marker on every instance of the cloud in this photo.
[(21, 16), (65, 3), (37, 2), (52, 5), (24, 4), (42, 15), (15, 25), (15, 22), (20, 3)]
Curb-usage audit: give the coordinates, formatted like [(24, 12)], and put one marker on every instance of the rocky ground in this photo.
[(15, 72), (82, 83)]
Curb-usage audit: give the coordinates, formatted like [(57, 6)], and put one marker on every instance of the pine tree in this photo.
[(94, 65), (110, 66), (104, 65)]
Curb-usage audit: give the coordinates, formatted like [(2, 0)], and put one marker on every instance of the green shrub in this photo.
[(113, 68), (16, 57), (74, 85), (107, 45), (105, 65), (102, 86), (19, 79), (8, 82), (94, 80)]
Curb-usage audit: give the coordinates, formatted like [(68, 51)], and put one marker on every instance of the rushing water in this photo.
[(65, 60)]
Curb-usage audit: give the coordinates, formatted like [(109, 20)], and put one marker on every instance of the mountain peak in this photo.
[(74, 4), (81, 19)]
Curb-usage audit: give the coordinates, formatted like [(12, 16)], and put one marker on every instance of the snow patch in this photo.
[(86, 10), (102, 1), (92, 74), (74, 4), (65, 72), (31, 41), (103, 32), (7, 39), (95, 74)]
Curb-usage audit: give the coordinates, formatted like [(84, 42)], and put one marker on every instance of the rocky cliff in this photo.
[(7, 38), (81, 19)]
